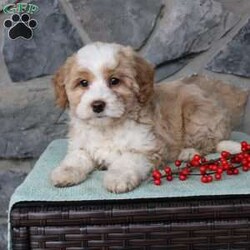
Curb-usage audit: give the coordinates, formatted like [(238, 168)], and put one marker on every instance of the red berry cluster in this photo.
[(207, 170)]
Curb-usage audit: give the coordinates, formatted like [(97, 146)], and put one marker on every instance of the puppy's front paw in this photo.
[(116, 182), (64, 176)]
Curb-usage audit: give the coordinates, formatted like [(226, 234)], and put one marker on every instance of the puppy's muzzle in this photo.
[(98, 106)]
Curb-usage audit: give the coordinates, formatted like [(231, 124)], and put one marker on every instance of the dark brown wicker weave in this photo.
[(191, 223)]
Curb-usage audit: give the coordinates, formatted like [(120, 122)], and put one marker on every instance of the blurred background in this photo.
[(180, 37)]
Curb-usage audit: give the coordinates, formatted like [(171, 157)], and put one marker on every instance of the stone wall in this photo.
[(180, 37)]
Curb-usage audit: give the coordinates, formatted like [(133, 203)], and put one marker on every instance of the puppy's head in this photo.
[(103, 81)]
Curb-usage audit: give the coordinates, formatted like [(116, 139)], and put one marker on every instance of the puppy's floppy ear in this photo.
[(144, 77), (59, 81)]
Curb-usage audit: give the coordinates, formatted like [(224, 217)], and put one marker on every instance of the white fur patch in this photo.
[(73, 169), (121, 149), (106, 144), (230, 146), (96, 55), (126, 172)]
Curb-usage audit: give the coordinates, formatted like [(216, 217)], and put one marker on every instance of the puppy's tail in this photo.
[(232, 98)]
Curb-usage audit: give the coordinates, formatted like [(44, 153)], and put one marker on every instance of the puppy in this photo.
[(120, 120)]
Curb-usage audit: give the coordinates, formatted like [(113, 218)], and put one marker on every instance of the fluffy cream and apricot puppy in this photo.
[(120, 120)]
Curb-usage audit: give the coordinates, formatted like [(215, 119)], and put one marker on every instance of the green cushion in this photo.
[(37, 185)]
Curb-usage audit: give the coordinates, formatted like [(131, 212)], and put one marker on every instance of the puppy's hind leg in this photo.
[(230, 146), (187, 154), (206, 123)]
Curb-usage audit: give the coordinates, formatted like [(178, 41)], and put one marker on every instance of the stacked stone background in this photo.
[(181, 37)]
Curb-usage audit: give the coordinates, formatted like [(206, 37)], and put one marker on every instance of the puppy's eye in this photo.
[(114, 81), (84, 83)]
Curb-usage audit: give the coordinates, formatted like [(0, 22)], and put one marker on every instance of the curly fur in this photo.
[(142, 123)]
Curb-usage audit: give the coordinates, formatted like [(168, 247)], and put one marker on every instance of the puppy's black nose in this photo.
[(98, 106)]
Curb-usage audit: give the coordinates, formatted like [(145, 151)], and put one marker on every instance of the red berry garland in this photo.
[(208, 170), (178, 163)]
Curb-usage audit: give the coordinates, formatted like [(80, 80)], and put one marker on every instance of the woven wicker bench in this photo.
[(207, 223), (172, 216)]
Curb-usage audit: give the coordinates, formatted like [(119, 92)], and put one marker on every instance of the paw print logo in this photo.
[(20, 26)]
